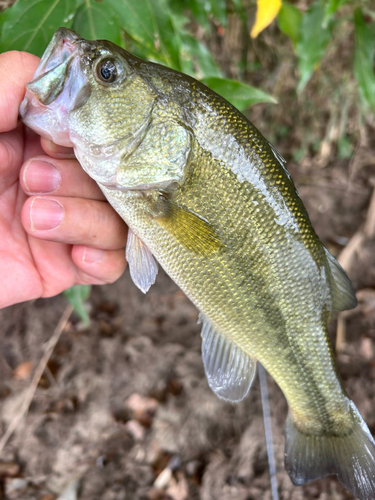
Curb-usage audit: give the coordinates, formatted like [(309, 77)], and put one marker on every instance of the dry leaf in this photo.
[(23, 370)]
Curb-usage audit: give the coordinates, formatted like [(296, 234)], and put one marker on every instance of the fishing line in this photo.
[(268, 429)]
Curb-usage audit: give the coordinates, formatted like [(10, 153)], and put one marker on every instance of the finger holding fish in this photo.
[(74, 221), (65, 205), (60, 177)]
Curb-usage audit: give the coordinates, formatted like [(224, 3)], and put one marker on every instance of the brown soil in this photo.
[(124, 411)]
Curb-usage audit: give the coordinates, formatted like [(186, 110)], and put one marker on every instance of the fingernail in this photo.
[(45, 214), (92, 255), (41, 177)]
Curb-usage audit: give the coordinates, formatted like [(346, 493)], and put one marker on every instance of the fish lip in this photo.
[(63, 44), (40, 109), (53, 68)]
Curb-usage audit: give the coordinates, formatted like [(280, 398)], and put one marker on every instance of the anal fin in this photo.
[(229, 370), (142, 265)]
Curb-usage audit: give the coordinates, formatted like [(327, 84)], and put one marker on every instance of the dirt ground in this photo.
[(124, 411)]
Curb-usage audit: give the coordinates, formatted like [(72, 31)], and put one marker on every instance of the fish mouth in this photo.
[(50, 75), (55, 86), (62, 45)]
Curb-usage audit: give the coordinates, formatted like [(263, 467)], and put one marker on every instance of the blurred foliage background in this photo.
[(307, 66), (270, 51)]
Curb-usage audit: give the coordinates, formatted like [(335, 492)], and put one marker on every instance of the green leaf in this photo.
[(201, 10), (77, 296), (330, 8), (289, 20), (29, 24), (238, 5), (167, 34), (219, 10), (196, 59), (364, 59), (97, 20), (239, 94), (149, 24), (313, 41)]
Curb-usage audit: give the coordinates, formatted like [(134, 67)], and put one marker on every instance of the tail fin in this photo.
[(350, 457)]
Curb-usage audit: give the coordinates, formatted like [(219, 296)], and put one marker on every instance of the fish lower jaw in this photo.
[(43, 121)]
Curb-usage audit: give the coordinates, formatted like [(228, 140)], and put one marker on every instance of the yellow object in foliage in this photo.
[(267, 10)]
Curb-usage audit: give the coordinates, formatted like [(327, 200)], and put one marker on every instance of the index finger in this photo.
[(16, 68)]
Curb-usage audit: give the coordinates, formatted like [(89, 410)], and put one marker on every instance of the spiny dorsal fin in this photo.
[(191, 230), (343, 294), (277, 155), (142, 265), (230, 372)]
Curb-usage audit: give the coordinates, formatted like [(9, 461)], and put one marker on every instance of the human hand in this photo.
[(56, 229)]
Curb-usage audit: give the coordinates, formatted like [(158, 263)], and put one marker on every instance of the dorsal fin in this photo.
[(142, 265), (343, 294), (230, 372)]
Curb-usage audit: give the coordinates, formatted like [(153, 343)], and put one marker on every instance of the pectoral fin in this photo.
[(142, 265), (191, 230), (230, 372)]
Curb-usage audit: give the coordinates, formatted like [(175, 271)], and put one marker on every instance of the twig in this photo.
[(370, 218), (346, 256), (49, 347), (341, 332), (268, 429)]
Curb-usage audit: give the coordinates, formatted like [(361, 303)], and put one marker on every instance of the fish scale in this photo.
[(205, 194)]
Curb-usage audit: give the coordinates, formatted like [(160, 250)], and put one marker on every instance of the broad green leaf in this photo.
[(364, 59), (313, 41), (77, 296), (289, 20), (330, 8), (168, 34), (200, 10), (196, 59), (149, 24), (96, 20), (1, 23), (239, 94), (238, 5), (267, 10), (219, 10), (29, 24)]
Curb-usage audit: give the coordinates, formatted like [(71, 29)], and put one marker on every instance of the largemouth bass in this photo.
[(206, 195)]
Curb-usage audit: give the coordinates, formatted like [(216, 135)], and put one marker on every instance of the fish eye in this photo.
[(106, 71)]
